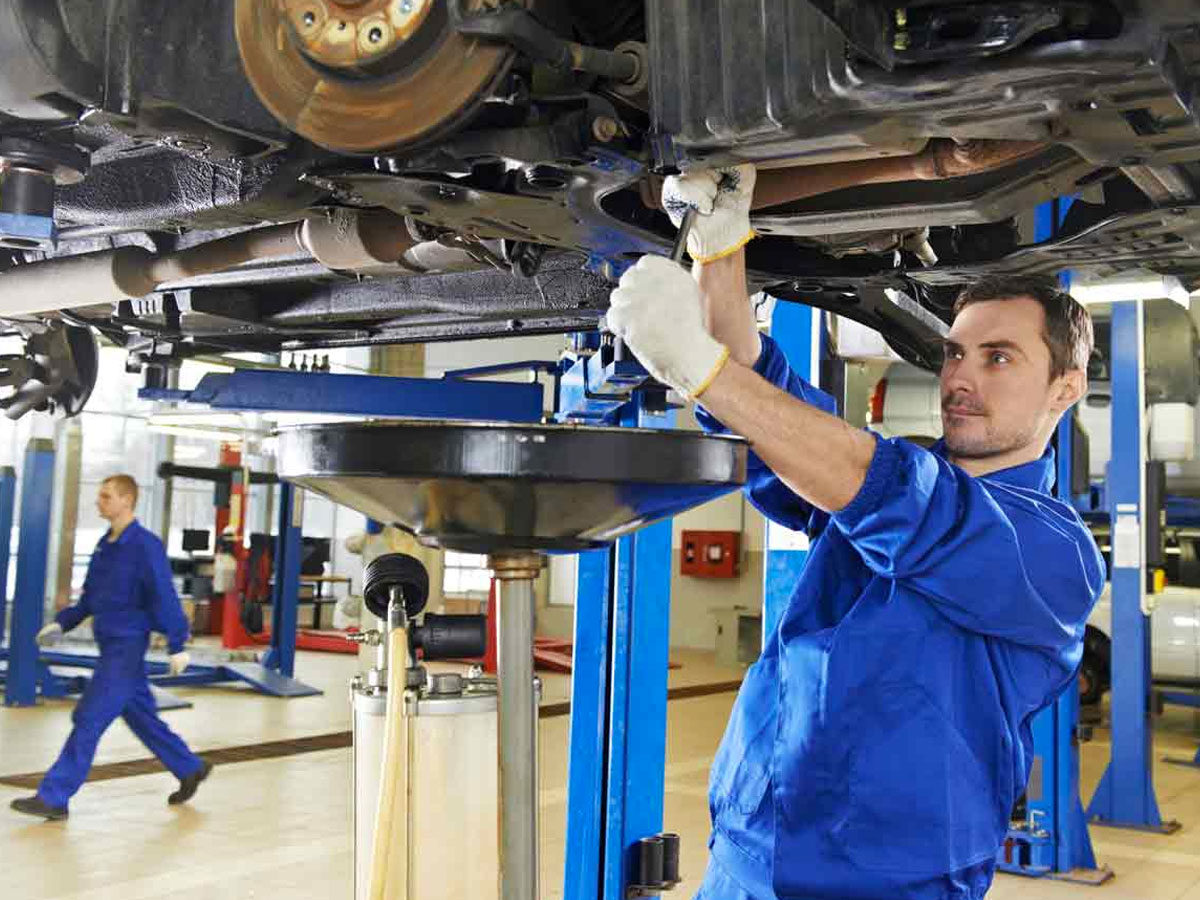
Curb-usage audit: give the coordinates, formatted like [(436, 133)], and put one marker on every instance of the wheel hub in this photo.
[(347, 34), (366, 76)]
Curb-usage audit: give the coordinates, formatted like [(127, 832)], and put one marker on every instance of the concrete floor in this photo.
[(281, 828)]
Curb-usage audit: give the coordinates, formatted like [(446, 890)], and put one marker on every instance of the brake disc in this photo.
[(363, 76), (56, 373)]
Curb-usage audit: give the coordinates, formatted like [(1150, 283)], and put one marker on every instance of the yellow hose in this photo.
[(389, 855)]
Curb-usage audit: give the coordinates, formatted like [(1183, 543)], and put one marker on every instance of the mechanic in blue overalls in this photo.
[(877, 747), (128, 593)]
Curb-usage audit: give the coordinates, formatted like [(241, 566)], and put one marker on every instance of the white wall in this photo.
[(444, 357)]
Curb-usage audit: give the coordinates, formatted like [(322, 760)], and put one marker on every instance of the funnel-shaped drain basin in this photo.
[(485, 488)]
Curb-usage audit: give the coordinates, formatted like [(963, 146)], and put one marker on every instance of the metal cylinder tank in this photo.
[(451, 799)]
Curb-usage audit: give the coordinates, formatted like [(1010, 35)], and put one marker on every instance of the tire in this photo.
[(1094, 677), (1091, 681)]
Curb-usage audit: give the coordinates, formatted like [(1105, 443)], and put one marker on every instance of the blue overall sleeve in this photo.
[(71, 616), (993, 558), (766, 492), (166, 612)]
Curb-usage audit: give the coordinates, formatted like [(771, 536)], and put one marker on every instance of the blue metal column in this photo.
[(1073, 842), (796, 329), (1126, 796), (285, 594), (589, 735), (1073, 845), (273, 675), (8, 497), (640, 637), (37, 490), (618, 734), (1055, 841)]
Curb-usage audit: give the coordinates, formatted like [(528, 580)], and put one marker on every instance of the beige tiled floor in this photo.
[(280, 828)]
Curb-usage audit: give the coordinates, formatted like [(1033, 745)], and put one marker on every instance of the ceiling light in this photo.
[(1143, 287)]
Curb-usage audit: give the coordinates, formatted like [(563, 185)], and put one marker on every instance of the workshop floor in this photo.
[(279, 828)]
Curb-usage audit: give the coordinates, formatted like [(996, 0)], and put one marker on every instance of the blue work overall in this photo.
[(129, 593), (876, 748)]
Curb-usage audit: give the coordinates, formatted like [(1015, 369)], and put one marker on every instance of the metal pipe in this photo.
[(225, 253), (356, 240), (115, 275), (88, 232), (518, 726), (938, 161), (350, 241)]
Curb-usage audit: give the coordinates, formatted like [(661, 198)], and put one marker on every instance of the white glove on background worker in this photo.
[(177, 663), (49, 634), (656, 310), (722, 197)]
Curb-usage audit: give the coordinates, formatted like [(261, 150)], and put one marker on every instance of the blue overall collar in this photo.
[(1038, 475), (124, 537)]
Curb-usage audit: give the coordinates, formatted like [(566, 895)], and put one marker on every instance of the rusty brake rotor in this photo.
[(365, 76)]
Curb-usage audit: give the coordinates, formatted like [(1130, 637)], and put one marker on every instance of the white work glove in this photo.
[(656, 310), (177, 663), (49, 634), (722, 197)]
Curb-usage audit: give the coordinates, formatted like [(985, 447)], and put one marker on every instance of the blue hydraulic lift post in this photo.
[(1058, 843), (638, 705), (8, 497), (1125, 797), (796, 328), (639, 642), (29, 600), (588, 739), (1073, 842), (285, 593), (616, 771)]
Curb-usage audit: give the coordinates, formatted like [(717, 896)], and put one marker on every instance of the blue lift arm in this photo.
[(263, 390)]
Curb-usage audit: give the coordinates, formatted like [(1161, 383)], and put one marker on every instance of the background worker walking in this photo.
[(128, 592)]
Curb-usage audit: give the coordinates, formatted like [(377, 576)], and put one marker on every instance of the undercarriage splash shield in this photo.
[(483, 487)]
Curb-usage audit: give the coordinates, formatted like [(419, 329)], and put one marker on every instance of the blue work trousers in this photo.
[(118, 688)]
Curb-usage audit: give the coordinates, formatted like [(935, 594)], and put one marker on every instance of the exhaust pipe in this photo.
[(939, 161), (344, 241)]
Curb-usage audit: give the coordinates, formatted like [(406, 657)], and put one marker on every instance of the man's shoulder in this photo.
[(1038, 502), (1041, 519), (145, 538)]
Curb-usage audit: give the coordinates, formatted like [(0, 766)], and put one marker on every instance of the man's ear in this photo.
[(1071, 387)]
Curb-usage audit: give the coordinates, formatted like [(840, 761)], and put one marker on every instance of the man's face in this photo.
[(110, 503), (997, 395)]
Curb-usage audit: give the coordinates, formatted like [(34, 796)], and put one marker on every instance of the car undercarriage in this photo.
[(214, 175)]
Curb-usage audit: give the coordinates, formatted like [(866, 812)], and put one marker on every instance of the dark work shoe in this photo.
[(187, 787), (35, 806)]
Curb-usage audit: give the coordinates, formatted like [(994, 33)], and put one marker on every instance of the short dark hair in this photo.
[(125, 485), (1068, 329)]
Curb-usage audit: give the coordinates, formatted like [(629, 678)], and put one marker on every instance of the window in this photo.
[(466, 574)]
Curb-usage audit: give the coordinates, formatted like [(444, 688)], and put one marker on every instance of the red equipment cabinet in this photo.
[(711, 554)]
